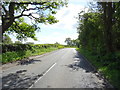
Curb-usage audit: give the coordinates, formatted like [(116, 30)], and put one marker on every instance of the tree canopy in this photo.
[(99, 35), (7, 40), (68, 41), (18, 42), (99, 28), (23, 30), (39, 12), (71, 42)]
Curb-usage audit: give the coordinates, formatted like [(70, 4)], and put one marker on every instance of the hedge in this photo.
[(19, 47)]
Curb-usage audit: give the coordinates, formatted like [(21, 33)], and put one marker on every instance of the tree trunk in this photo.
[(108, 13), (9, 19)]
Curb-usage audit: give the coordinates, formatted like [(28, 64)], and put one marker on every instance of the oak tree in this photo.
[(38, 12)]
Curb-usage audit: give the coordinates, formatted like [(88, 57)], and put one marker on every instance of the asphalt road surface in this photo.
[(63, 68)]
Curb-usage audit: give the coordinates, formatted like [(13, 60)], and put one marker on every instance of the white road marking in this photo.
[(43, 75), (49, 69)]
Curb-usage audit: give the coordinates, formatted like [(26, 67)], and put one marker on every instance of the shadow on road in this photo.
[(18, 80), (80, 63), (28, 61)]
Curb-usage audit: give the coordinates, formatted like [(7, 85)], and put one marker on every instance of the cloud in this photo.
[(67, 17), (66, 27)]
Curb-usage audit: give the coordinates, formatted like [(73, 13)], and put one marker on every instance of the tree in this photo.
[(75, 42), (23, 30), (99, 29), (116, 26), (111, 18), (7, 39), (91, 33), (108, 11), (71, 42), (99, 35), (68, 41), (40, 12), (57, 43)]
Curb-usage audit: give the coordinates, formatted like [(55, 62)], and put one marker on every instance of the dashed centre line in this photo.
[(43, 75)]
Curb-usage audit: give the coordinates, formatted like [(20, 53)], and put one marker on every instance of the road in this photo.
[(63, 68)]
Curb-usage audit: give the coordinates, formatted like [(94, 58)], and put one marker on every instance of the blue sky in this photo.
[(66, 27)]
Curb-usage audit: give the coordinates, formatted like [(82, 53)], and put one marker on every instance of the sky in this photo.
[(66, 27)]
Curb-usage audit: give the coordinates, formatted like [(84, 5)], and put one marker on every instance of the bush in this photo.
[(19, 51), (59, 47)]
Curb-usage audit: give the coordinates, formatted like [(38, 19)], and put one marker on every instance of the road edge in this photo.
[(97, 73), (15, 63)]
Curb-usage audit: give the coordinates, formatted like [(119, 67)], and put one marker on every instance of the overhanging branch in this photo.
[(4, 9), (22, 15), (33, 3)]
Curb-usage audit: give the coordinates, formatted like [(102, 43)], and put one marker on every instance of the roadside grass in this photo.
[(11, 56), (0, 58), (18, 55), (70, 46), (59, 47), (109, 68)]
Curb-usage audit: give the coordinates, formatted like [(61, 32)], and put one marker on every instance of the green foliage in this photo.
[(0, 58), (12, 56), (51, 19), (23, 30), (91, 32), (68, 41), (104, 64), (71, 42), (17, 52), (99, 39), (60, 46), (38, 12), (18, 42), (7, 39)]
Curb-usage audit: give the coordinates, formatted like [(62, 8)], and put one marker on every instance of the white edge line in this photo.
[(43, 75)]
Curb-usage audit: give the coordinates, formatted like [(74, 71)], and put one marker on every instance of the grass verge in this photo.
[(18, 55), (109, 68)]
